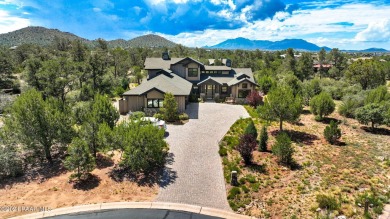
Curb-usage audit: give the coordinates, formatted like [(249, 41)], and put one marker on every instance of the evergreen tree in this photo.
[(251, 129), (170, 109), (332, 132), (283, 149), (79, 158), (322, 105), (263, 139)]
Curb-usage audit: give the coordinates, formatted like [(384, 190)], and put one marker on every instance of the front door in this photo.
[(210, 90)]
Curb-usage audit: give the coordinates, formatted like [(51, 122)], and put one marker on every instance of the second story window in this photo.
[(244, 85), (193, 72)]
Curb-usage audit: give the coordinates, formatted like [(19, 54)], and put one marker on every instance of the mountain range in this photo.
[(243, 43), (44, 36)]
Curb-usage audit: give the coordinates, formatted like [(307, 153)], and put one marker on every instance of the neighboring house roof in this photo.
[(163, 83)]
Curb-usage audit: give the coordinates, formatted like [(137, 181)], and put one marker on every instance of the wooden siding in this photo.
[(134, 103), (193, 65), (179, 69), (181, 103), (154, 94)]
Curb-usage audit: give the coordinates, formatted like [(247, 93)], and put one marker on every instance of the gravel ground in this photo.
[(194, 175)]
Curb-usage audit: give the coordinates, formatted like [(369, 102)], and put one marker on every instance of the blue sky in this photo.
[(347, 24)]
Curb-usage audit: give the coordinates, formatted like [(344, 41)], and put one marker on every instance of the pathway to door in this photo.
[(195, 159)]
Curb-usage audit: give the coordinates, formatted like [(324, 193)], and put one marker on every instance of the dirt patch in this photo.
[(57, 191)]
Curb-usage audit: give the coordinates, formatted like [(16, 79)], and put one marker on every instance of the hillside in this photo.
[(243, 43), (44, 36), (36, 35), (150, 40)]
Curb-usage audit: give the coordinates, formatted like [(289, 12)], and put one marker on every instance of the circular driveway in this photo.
[(194, 163)]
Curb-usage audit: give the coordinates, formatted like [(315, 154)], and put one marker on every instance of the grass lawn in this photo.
[(358, 165)]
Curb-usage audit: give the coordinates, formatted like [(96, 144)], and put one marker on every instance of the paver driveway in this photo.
[(196, 163)]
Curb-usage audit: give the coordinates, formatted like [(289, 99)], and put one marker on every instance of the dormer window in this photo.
[(192, 72)]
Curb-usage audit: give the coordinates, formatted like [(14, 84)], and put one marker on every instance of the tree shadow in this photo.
[(376, 131), (193, 110), (90, 182), (298, 136), (36, 171), (161, 175), (306, 112), (260, 168), (103, 161), (295, 166), (327, 120)]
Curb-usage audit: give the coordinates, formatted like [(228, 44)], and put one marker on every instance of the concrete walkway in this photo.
[(386, 213), (194, 174)]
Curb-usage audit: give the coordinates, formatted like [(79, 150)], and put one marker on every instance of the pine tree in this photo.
[(251, 129), (332, 132), (263, 139), (79, 158)]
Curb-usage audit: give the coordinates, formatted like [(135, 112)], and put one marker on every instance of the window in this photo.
[(224, 89), (155, 103), (243, 93), (192, 72), (244, 85)]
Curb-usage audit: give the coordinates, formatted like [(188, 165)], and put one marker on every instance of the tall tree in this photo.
[(281, 105), (305, 66), (120, 62), (39, 124), (78, 51), (79, 158), (6, 70), (368, 73), (321, 60), (337, 58), (101, 112), (170, 110)]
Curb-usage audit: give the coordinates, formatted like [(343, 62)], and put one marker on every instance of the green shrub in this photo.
[(245, 189), (234, 192), (283, 149), (349, 105), (10, 163), (255, 187), (246, 146), (322, 105), (170, 109), (327, 202), (137, 115), (193, 98), (332, 132), (222, 151), (242, 180), (250, 178), (159, 116), (118, 91), (233, 205), (251, 129), (263, 139), (183, 116)]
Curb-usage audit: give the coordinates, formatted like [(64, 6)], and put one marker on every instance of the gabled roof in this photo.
[(215, 79), (172, 84), (188, 59), (159, 63), (237, 81)]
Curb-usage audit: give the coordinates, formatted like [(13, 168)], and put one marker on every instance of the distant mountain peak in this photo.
[(44, 36)]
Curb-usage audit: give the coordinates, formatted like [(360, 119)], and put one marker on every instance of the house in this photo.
[(185, 77)]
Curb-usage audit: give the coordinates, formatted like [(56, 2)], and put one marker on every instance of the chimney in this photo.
[(165, 56)]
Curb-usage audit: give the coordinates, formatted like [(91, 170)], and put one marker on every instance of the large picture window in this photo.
[(243, 93), (155, 103), (193, 72)]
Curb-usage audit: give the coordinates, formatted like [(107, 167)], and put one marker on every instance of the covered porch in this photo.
[(210, 89)]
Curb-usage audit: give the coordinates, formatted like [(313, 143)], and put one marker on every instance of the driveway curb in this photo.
[(141, 205)]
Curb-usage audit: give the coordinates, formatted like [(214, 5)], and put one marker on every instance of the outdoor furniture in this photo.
[(229, 100)]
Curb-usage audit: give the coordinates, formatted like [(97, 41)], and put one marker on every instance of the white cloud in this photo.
[(377, 31), (312, 25), (10, 23)]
